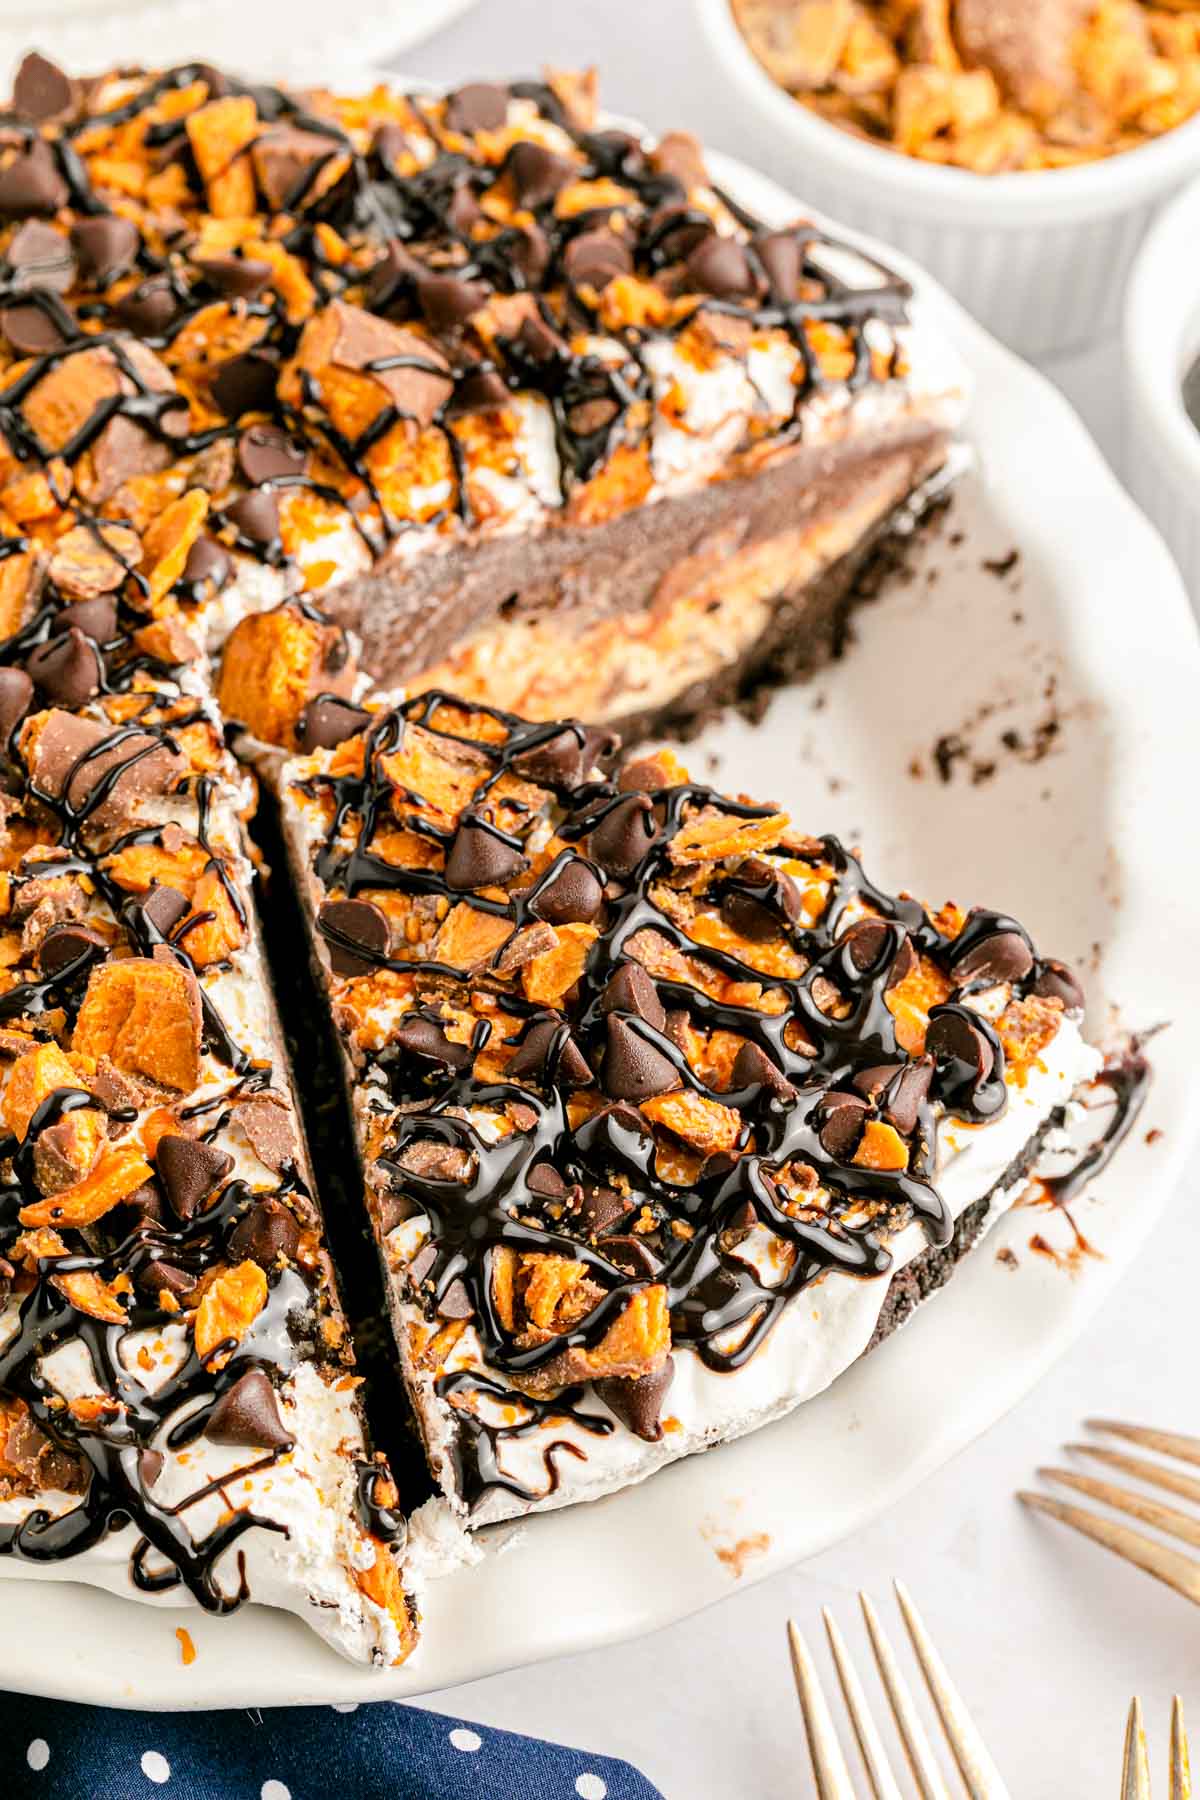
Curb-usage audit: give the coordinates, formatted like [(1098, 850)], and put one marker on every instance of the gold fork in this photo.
[(1135, 1777), (979, 1773), (1178, 1571)]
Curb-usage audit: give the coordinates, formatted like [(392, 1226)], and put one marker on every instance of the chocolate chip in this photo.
[(238, 277), (634, 1069), (31, 183), (573, 896), (156, 1274), (633, 1255), (907, 1095), (31, 330), (147, 1201), (150, 307), (256, 516), (549, 1052), (479, 106), (356, 933), (681, 155), (464, 208), (842, 1119), (164, 907), (150, 1467), (96, 618), (752, 1067), (38, 256), (631, 990), (67, 669), (615, 153), (675, 230), (16, 697), (394, 273), (41, 89), (624, 836), (871, 1081), (595, 258), (529, 253), (481, 856), (247, 1415), (425, 1037), (189, 1170), (537, 173), (719, 266), (328, 721), (782, 260), (479, 390), (390, 144), (105, 245), (66, 943), (207, 561), (264, 1234), (266, 453), (245, 384), (868, 942), (759, 898), (1055, 981), (544, 1179), (600, 1208), (637, 1399), (448, 302), (1005, 956), (539, 341), (456, 1302), (959, 1047), (566, 758)]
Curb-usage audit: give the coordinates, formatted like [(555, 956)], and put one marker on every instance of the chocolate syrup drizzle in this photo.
[(596, 406), (689, 1232)]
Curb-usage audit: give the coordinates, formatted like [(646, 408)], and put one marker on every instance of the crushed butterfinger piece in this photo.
[(115, 1177), (145, 1016), (228, 1308)]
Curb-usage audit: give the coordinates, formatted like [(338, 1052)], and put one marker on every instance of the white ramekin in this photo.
[(1161, 341), (1040, 258)]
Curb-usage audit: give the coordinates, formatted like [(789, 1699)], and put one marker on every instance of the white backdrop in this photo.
[(1049, 1637)]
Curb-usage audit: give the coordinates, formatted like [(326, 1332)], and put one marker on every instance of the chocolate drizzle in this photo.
[(827, 1040)]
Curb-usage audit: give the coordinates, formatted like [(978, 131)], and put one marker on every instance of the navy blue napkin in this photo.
[(51, 1750)]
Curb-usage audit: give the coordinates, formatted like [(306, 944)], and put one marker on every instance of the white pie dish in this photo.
[(1161, 342), (1040, 258), (1100, 863)]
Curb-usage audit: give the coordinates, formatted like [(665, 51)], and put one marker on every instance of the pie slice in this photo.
[(179, 1412), (524, 403), (666, 1111)]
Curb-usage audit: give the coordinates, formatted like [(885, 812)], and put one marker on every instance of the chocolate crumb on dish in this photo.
[(524, 403), (666, 1111)]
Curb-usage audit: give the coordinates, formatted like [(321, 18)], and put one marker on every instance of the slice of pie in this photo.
[(524, 402), (666, 1111), (179, 1416)]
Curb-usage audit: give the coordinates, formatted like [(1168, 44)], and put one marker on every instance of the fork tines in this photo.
[(979, 1773), (1172, 1566), (1135, 1776)]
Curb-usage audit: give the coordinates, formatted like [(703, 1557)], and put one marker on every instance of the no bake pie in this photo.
[(179, 1412), (667, 1113), (524, 402), (314, 413)]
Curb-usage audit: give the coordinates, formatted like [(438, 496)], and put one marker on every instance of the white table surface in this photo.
[(1048, 1636)]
